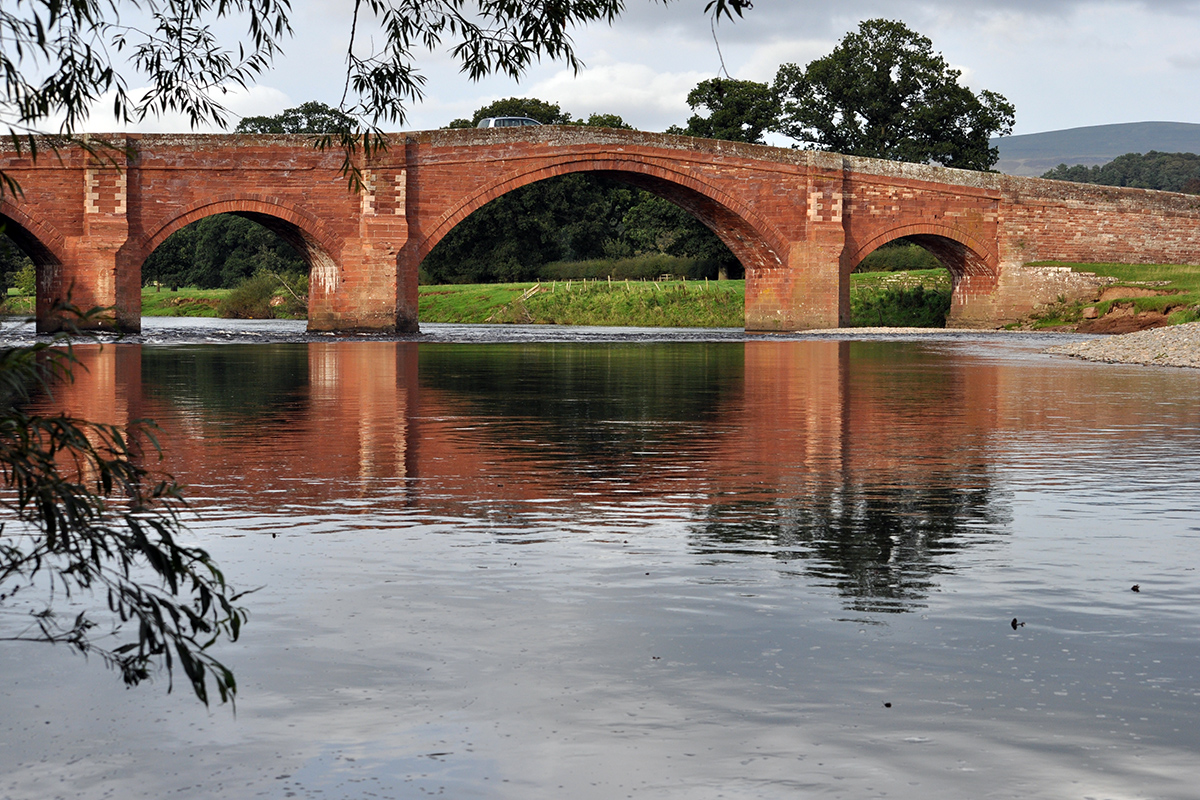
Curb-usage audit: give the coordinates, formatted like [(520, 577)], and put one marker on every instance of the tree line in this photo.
[(1170, 172)]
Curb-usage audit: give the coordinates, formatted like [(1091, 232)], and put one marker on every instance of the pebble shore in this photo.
[(1173, 346)]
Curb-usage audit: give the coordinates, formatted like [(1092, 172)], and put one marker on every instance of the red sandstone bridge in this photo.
[(799, 221)]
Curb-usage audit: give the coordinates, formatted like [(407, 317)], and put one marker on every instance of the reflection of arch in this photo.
[(306, 233), (755, 242), (963, 255)]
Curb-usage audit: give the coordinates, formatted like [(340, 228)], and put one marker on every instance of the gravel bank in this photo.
[(1174, 346)]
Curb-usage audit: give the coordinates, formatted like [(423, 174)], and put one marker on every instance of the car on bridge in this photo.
[(506, 122)]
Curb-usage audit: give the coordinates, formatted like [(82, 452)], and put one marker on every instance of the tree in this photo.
[(738, 111), (884, 93), (12, 261), (311, 117), (655, 225), (1170, 172), (604, 121)]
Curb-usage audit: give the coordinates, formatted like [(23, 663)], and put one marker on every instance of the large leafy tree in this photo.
[(884, 93), (738, 111)]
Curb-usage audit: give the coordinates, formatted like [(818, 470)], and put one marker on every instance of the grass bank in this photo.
[(1171, 291), (917, 298), (682, 304)]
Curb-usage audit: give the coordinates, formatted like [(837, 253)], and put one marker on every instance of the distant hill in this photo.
[(1034, 153)]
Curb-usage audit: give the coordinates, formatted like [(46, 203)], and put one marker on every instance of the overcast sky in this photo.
[(1063, 63)]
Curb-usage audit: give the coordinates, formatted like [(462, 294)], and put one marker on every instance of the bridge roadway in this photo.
[(799, 221)]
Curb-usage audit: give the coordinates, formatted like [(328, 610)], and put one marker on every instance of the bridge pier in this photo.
[(99, 270), (804, 294), (359, 293)]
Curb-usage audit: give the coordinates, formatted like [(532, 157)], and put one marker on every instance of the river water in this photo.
[(653, 565)]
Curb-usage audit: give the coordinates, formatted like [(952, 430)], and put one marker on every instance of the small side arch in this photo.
[(965, 256), (755, 242), (46, 248), (319, 248), (306, 233), (973, 266)]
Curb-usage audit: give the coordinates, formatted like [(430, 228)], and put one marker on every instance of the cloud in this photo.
[(644, 97), (1191, 61)]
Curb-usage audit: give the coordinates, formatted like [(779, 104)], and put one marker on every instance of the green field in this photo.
[(181, 303)]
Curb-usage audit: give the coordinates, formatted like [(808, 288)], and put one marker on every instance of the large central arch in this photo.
[(755, 242)]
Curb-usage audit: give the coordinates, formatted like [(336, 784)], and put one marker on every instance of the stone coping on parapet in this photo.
[(566, 136)]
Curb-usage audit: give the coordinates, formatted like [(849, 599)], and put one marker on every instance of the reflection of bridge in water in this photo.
[(868, 464), (799, 222)]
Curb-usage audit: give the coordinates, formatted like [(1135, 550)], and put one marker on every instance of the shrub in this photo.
[(250, 299), (899, 306), (24, 280)]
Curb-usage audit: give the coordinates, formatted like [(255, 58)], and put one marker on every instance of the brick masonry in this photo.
[(799, 221)]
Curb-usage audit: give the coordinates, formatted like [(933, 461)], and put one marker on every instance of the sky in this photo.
[(1062, 63)]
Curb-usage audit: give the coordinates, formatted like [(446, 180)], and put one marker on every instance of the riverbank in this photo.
[(1134, 297), (1174, 346)]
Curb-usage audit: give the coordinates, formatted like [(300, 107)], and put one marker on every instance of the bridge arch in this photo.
[(973, 266), (969, 260), (299, 228), (755, 242), (46, 248)]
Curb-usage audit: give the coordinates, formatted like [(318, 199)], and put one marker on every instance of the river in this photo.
[(652, 565)]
